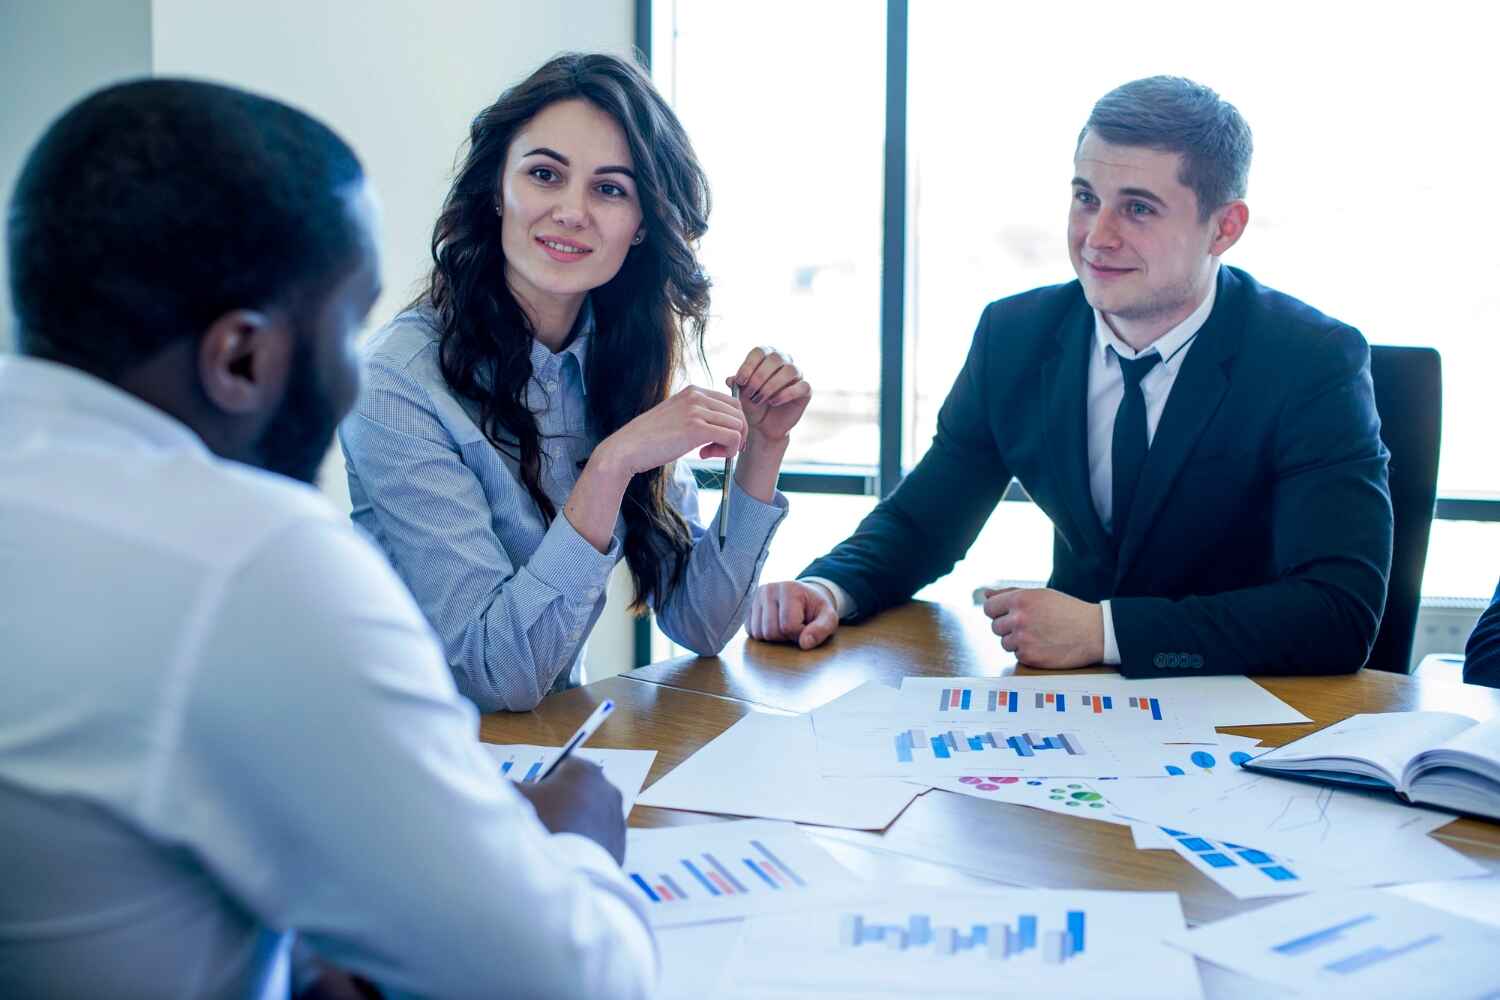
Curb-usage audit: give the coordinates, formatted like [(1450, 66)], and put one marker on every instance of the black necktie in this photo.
[(1128, 453)]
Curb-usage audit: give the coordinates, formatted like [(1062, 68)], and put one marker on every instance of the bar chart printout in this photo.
[(724, 870), (992, 940), (949, 742), (1365, 943), (952, 700), (925, 941)]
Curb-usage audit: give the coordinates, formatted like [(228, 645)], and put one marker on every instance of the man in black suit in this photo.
[(1207, 449)]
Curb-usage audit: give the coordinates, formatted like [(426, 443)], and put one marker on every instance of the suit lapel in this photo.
[(1065, 377), (1196, 394)]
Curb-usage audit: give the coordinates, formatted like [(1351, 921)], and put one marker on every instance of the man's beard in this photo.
[(301, 431)]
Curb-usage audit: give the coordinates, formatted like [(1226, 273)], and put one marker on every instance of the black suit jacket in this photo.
[(1482, 654), (1260, 536)]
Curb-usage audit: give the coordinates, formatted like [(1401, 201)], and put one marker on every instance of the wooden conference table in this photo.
[(676, 706)]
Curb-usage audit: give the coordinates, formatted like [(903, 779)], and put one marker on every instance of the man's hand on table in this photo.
[(793, 611), (576, 798), (1046, 628)]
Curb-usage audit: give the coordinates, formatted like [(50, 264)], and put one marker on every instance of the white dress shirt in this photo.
[(1106, 387), (224, 721)]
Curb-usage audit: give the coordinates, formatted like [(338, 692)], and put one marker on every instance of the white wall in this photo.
[(52, 52)]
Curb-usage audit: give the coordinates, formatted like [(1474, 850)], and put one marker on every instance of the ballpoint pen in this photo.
[(728, 475), (584, 732)]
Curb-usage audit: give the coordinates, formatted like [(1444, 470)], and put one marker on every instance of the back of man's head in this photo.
[(152, 208), (1175, 115)]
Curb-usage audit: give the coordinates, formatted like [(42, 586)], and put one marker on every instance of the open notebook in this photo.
[(1433, 758)]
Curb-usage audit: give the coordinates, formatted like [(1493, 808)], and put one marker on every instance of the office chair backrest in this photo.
[(1409, 398)]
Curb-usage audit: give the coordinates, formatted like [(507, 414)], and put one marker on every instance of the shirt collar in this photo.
[(1171, 345), (76, 394), (544, 362)]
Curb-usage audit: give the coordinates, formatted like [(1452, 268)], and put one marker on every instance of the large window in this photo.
[(766, 92), (1367, 201)]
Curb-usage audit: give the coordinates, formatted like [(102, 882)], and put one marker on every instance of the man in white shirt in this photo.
[(224, 720), (1207, 449)]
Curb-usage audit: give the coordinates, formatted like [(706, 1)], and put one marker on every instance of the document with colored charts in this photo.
[(931, 746), (720, 871), (1098, 702), (1355, 944), (1086, 799), (925, 942)]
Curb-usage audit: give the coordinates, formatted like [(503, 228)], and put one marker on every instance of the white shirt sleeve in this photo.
[(1111, 647), (327, 773), (842, 602)]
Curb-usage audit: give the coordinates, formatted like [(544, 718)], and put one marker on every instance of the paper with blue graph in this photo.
[(1289, 817), (721, 871), (1366, 944), (920, 941), (625, 769)]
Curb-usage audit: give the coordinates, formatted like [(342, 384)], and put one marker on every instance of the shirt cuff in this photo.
[(1111, 647), (751, 523), (842, 602), (569, 564)]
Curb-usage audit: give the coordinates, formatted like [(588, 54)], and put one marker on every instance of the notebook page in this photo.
[(1386, 739)]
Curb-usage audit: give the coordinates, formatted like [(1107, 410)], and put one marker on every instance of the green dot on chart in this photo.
[(1056, 798), (1075, 786), (1096, 805), (1087, 796), (1073, 804)]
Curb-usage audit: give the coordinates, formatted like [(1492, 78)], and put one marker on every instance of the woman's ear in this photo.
[(244, 361)]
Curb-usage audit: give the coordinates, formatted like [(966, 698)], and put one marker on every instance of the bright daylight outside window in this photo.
[(1369, 123)]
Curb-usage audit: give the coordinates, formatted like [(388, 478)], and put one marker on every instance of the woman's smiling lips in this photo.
[(563, 250)]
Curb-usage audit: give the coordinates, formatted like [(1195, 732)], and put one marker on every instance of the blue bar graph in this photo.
[(533, 771), (996, 940), (505, 768), (1307, 942), (965, 703), (764, 877), (702, 879), (650, 892), (1360, 961)]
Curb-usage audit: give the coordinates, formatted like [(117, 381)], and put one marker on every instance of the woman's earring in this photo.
[(497, 210), (639, 239)]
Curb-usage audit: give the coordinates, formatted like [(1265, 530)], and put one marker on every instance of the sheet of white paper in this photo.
[(1088, 799), (1471, 898), (1250, 873), (693, 958), (764, 765), (1150, 838), (1296, 818), (1096, 701), (625, 769), (887, 744), (919, 941), (719, 871), (1359, 944)]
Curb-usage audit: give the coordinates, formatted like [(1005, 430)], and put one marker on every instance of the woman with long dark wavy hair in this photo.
[(518, 433)]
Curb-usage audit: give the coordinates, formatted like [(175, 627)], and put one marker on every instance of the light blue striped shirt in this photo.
[(512, 598)]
